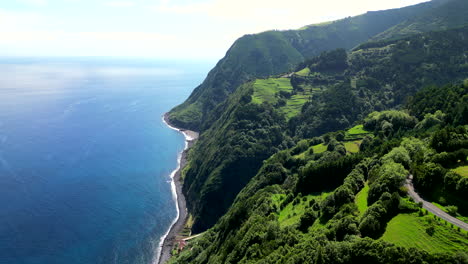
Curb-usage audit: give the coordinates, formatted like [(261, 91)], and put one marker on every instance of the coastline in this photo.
[(167, 241)]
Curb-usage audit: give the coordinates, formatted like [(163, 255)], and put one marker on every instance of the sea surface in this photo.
[(85, 159)]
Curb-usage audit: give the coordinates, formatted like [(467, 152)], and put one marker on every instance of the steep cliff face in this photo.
[(274, 52)]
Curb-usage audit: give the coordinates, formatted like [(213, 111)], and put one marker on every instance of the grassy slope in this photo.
[(303, 72), (451, 14), (462, 170), (266, 90), (409, 230), (356, 133), (278, 52), (357, 130), (291, 213), (319, 148), (352, 146), (361, 199)]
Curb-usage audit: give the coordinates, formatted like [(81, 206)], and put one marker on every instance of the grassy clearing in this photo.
[(410, 230), (319, 148), (292, 212), (294, 104), (356, 130), (361, 199), (462, 170), (352, 146), (303, 72), (267, 90)]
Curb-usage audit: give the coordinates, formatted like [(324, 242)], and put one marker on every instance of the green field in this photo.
[(319, 148), (303, 72), (462, 170), (352, 146), (361, 199), (356, 132), (291, 214), (409, 230), (266, 90)]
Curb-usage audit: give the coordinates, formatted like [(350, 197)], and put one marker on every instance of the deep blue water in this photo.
[(85, 158)]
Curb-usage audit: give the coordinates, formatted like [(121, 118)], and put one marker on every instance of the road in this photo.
[(432, 208)]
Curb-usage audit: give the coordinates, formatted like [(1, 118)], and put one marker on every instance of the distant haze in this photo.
[(189, 29)]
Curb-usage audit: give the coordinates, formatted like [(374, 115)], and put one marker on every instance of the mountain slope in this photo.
[(336, 89), (274, 52), (333, 206), (450, 13)]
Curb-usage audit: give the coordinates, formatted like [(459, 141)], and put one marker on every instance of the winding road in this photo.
[(432, 208)]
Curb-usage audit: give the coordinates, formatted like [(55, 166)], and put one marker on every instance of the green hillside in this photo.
[(410, 230), (304, 206), (307, 137), (274, 52), (280, 93), (450, 13), (263, 116)]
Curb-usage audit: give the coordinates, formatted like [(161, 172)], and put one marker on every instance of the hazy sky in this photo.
[(157, 28)]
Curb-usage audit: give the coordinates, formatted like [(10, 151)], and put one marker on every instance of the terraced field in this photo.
[(270, 90)]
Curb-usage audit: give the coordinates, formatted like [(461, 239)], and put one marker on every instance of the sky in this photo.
[(166, 29)]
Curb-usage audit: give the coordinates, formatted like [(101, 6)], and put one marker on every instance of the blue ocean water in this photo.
[(85, 158)]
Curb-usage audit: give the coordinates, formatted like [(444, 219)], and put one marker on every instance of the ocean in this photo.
[(85, 158)]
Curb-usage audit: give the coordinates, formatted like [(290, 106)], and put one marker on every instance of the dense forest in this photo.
[(308, 137)]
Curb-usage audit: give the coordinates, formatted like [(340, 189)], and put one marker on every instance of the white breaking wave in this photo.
[(174, 191)]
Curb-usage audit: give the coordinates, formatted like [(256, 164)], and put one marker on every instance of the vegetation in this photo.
[(357, 130), (411, 230), (252, 124), (462, 171), (340, 202), (304, 160), (278, 52), (280, 93), (361, 199), (450, 14)]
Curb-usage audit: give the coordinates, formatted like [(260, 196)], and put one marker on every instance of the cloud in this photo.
[(34, 2), (197, 29), (261, 15), (181, 9), (11, 21), (120, 3)]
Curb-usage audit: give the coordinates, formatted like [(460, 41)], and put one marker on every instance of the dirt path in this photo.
[(192, 237), (432, 208)]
